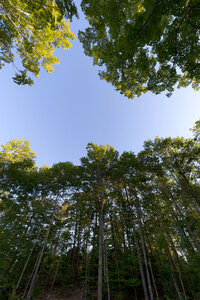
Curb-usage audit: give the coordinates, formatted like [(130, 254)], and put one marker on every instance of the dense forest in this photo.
[(114, 227)]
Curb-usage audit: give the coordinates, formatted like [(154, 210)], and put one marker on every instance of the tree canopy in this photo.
[(144, 45), (32, 30), (141, 46)]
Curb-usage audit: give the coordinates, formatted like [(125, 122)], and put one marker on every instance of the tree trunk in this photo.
[(114, 245), (153, 279), (106, 270), (30, 291), (172, 272), (55, 275), (178, 267), (100, 266), (178, 209), (186, 195), (187, 183), (28, 258), (137, 249), (139, 216)]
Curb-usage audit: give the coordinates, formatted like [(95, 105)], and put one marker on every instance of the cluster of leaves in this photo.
[(144, 45), (144, 211), (33, 29)]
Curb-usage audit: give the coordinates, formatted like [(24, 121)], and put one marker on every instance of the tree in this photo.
[(142, 46), (17, 151), (33, 29), (97, 167), (196, 130)]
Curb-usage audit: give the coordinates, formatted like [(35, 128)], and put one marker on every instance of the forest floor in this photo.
[(63, 294)]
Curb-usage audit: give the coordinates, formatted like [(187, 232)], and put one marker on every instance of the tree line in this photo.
[(116, 226)]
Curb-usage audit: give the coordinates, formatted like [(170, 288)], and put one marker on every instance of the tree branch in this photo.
[(150, 15), (177, 30)]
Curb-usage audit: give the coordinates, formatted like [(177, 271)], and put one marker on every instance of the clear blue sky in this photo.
[(65, 110)]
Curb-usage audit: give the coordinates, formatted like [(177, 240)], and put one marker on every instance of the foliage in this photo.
[(33, 29), (144, 45), (196, 130), (142, 211)]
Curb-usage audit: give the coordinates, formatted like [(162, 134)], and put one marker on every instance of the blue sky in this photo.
[(65, 110)]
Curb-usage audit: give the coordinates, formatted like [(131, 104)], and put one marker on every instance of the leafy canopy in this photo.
[(17, 152), (144, 45), (33, 29)]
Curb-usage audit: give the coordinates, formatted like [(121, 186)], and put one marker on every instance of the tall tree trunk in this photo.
[(170, 258), (106, 270), (190, 188), (30, 291), (29, 280), (114, 245), (178, 209), (177, 262), (153, 279), (190, 200), (100, 265), (172, 272), (139, 216), (87, 232), (137, 249), (140, 262), (55, 275), (28, 258)]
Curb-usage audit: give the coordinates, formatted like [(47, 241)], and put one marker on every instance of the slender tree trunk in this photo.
[(153, 279), (140, 263), (137, 249), (94, 239), (106, 270), (86, 264), (28, 258), (190, 188), (76, 263), (172, 272), (186, 195), (193, 239), (30, 291), (139, 216), (178, 267), (30, 277), (150, 266), (123, 234), (55, 275), (114, 245), (170, 260), (100, 266)]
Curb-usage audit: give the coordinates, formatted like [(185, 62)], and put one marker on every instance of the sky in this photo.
[(64, 111)]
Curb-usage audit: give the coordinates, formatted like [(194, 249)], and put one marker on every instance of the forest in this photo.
[(114, 227)]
